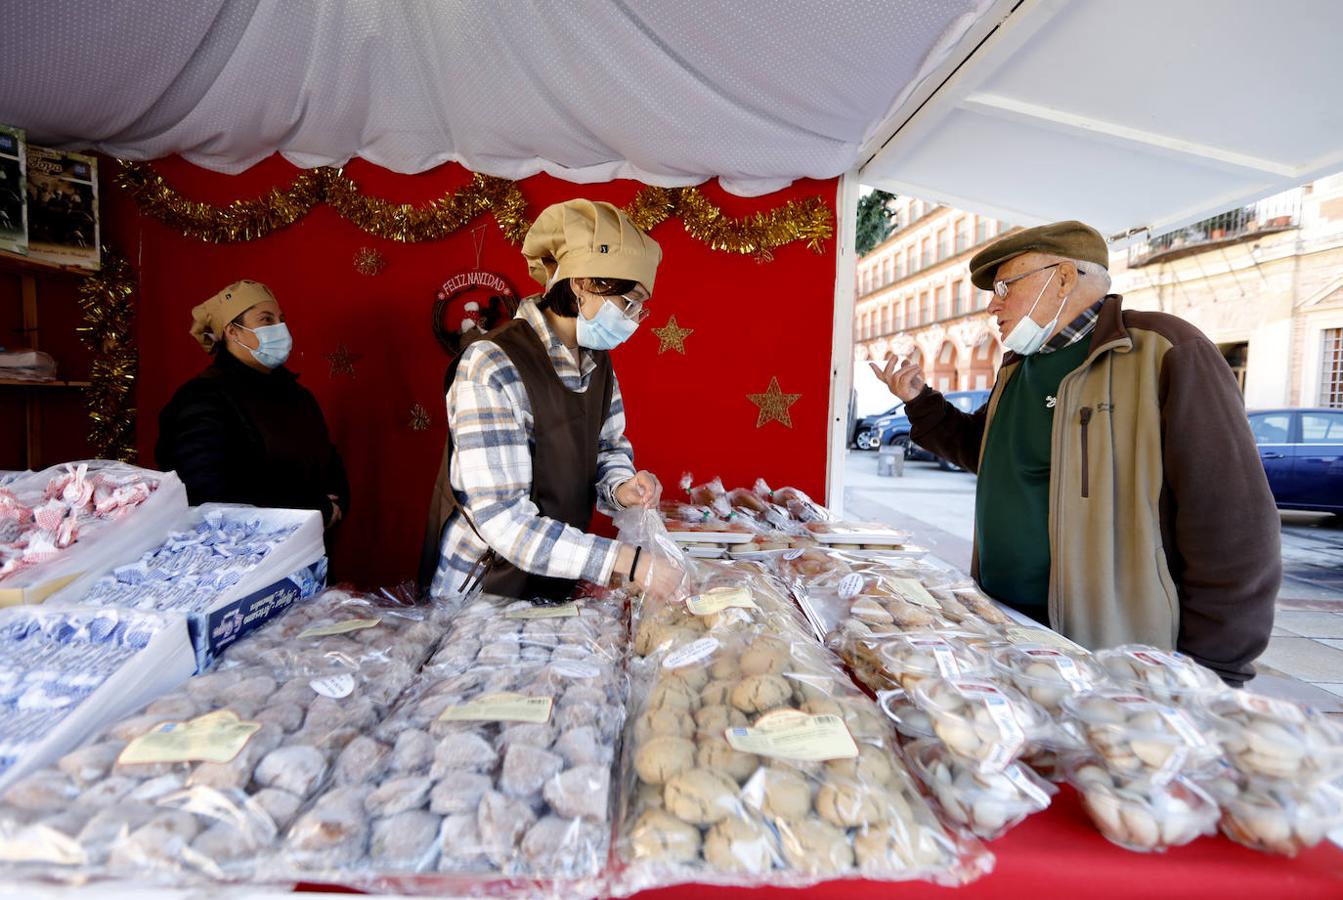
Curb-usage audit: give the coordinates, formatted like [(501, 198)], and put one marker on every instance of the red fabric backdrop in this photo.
[(752, 321)]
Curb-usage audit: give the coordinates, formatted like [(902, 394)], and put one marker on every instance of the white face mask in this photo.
[(1028, 336)]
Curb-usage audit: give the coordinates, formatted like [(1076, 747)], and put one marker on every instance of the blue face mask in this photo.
[(273, 344), (607, 330)]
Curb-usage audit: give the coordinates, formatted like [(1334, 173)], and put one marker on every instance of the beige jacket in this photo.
[(1162, 527)]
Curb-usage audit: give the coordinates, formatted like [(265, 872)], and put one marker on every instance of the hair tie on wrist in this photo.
[(635, 565)]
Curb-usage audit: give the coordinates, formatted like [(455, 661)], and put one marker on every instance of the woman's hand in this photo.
[(659, 576), (643, 489), (655, 574)]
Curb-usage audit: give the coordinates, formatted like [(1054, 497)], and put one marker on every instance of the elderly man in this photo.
[(1120, 498)]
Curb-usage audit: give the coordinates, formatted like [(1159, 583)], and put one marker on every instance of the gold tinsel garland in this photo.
[(810, 220), (107, 300)]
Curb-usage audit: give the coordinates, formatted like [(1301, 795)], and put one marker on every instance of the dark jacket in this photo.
[(236, 435), (1162, 527)]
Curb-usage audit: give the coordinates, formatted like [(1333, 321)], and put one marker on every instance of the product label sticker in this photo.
[(1182, 725), (214, 737), (1065, 665), (719, 599), (1017, 634), (334, 686), (1024, 784), (943, 655), (791, 734), (503, 707), (558, 611), (1258, 704), (914, 592), (338, 628), (1180, 667), (576, 668), (696, 651), (850, 586), (1011, 736)]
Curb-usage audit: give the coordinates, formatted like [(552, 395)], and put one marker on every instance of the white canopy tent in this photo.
[(1134, 115)]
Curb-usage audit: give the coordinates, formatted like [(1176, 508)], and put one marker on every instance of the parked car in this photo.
[(895, 429), (865, 433), (1302, 452)]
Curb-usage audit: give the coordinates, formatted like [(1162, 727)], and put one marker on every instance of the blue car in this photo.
[(895, 428), (866, 435), (1302, 452)]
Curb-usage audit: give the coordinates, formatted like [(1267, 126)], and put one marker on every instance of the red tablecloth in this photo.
[(1059, 853)]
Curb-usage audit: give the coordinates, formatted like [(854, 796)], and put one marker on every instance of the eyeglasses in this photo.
[(634, 309), (1000, 287)]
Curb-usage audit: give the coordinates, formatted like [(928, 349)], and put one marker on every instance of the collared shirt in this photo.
[(491, 420), (1075, 330)]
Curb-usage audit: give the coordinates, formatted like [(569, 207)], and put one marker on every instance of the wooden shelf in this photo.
[(23, 265), (18, 382)]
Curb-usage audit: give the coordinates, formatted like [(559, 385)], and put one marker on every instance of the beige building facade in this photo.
[(915, 299), (1264, 282)]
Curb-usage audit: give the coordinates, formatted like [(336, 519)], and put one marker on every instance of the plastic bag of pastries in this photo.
[(202, 783), (988, 804), (1140, 814), (1265, 737), (1164, 675), (1136, 737), (1048, 675), (501, 632), (486, 773), (990, 725), (750, 758)]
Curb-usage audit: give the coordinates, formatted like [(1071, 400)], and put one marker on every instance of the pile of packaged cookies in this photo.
[(750, 757), (747, 523), (620, 742)]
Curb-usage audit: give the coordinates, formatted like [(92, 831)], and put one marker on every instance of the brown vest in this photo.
[(566, 431)]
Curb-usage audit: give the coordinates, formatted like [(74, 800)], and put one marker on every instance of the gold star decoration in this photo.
[(672, 336), (774, 404), (342, 361), (419, 418)]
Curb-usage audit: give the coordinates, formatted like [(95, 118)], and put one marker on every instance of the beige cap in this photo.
[(1070, 239), (209, 318), (589, 239)]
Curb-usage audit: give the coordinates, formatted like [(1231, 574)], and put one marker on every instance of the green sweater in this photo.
[(1012, 497)]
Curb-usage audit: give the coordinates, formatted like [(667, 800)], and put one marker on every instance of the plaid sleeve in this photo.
[(492, 471), (615, 454)]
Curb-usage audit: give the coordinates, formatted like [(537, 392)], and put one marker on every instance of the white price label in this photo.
[(791, 734), (1024, 784), (334, 686), (696, 651), (850, 586), (1066, 666)]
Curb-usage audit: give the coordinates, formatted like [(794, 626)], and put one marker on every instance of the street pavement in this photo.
[(1304, 659)]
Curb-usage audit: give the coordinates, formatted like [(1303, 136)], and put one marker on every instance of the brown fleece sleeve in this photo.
[(936, 425), (1226, 557)]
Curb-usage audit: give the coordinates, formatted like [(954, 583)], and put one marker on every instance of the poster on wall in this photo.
[(13, 212), (63, 207)]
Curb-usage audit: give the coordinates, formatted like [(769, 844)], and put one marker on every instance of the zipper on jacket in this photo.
[(1086, 462)]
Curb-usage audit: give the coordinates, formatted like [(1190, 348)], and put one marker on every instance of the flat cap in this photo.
[(1071, 239)]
